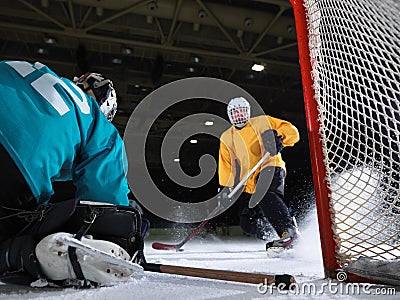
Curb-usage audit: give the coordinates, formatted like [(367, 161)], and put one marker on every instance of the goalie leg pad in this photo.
[(115, 224), (53, 256), (118, 224)]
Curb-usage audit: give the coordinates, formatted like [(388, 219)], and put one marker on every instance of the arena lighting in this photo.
[(202, 14), (209, 123), (258, 67), (149, 19), (116, 61), (193, 141), (196, 59), (176, 159), (153, 5), (99, 11), (42, 51), (126, 51), (49, 40)]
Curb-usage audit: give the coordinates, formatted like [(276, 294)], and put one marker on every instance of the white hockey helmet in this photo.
[(101, 89), (238, 111)]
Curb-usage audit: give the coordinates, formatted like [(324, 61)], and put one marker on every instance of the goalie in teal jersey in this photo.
[(54, 129)]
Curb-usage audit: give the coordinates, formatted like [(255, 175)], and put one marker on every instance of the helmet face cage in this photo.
[(238, 112), (102, 90)]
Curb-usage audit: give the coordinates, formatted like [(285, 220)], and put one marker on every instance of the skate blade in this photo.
[(278, 252)]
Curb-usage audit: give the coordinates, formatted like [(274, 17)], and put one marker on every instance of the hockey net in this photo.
[(350, 64)]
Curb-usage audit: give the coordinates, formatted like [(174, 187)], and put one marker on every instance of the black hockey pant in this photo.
[(272, 206)]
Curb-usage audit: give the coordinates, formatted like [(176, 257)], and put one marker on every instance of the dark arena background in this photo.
[(142, 45)]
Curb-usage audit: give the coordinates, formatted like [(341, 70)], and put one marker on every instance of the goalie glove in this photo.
[(272, 141)]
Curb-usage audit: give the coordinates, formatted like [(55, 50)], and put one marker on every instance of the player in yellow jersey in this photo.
[(241, 148)]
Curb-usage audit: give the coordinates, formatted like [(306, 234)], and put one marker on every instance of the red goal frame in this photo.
[(328, 239), (318, 168)]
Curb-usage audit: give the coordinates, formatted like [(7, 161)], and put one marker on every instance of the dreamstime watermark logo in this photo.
[(341, 276), (329, 287), (137, 131)]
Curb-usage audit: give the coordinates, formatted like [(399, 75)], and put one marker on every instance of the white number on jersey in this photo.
[(45, 86)]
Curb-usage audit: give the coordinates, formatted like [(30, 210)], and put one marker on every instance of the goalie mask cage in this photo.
[(349, 58)]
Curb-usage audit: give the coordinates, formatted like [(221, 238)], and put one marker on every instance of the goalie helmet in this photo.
[(101, 89), (238, 111)]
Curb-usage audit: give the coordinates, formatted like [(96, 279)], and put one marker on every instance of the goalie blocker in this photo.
[(119, 225)]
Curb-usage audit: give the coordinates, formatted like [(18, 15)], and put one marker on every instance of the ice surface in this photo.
[(236, 253)]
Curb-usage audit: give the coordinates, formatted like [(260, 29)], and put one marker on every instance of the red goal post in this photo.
[(349, 58)]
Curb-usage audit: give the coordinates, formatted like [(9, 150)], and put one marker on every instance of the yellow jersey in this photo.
[(245, 145)]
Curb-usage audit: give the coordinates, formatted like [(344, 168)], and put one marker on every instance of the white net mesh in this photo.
[(355, 58)]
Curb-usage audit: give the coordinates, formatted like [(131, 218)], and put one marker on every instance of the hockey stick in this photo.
[(241, 183), (284, 281), (177, 247)]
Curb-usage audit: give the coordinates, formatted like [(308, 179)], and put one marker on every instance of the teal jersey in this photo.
[(55, 132)]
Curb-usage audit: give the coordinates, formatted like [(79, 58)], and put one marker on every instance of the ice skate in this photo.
[(283, 244), (102, 262)]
